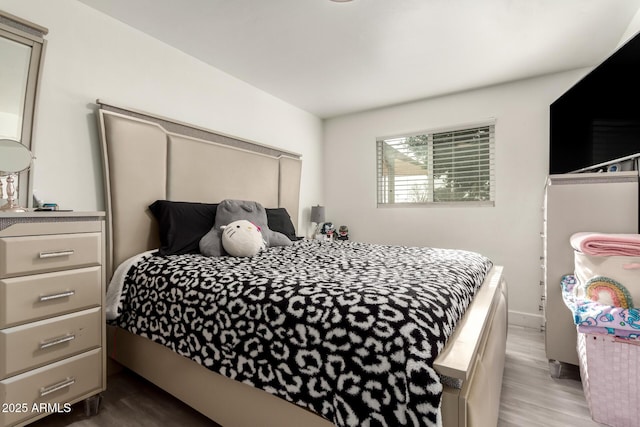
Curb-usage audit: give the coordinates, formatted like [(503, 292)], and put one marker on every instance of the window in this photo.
[(452, 166)]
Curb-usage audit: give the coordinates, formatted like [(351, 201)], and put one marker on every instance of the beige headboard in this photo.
[(148, 158)]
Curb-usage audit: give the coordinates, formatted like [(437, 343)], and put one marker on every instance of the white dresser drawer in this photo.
[(37, 254), (37, 343), (61, 382), (28, 298)]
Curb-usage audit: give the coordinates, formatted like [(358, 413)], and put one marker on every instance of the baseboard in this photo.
[(527, 320)]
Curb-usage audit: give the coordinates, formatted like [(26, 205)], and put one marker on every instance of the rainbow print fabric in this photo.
[(592, 316)]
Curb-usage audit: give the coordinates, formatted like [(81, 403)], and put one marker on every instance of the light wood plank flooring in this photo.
[(530, 397)]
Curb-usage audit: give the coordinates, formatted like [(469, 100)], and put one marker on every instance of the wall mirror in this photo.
[(22, 47)]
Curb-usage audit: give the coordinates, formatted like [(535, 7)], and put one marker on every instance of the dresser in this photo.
[(599, 202), (52, 320)]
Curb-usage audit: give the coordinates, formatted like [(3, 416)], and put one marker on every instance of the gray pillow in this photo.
[(233, 210)]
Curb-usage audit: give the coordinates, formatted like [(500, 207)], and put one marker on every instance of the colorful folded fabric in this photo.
[(593, 317), (602, 244)]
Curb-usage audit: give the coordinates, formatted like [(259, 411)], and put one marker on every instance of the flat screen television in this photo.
[(598, 119)]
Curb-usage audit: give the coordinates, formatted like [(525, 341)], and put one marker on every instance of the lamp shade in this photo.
[(317, 214)]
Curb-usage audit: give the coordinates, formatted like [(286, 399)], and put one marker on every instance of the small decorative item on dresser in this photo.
[(343, 233), (327, 231)]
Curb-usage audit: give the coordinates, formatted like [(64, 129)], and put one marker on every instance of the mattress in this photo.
[(345, 329)]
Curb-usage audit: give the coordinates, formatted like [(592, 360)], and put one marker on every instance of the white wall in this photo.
[(508, 233), (91, 56), (632, 30)]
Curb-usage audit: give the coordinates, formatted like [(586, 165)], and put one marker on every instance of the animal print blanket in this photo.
[(348, 330)]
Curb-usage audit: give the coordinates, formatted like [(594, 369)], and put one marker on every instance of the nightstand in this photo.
[(52, 319)]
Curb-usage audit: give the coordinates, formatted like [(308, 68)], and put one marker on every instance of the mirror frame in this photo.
[(30, 34)]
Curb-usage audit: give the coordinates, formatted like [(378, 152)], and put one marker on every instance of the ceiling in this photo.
[(332, 58)]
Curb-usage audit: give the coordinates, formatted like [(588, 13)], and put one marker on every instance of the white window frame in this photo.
[(424, 185)]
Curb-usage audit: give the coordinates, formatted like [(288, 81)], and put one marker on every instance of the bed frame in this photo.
[(147, 158)]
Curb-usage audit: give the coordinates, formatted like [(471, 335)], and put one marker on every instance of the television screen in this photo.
[(598, 119)]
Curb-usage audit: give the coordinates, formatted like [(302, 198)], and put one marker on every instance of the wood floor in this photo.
[(530, 397)]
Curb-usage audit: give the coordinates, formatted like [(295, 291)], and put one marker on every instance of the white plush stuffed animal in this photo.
[(242, 238)]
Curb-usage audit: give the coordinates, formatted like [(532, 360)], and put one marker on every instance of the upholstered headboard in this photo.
[(148, 158)]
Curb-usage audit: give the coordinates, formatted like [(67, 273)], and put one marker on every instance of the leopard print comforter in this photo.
[(348, 330)]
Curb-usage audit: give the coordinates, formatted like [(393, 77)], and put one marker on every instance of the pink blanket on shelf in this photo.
[(601, 244)]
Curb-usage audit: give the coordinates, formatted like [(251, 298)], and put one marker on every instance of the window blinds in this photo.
[(439, 167)]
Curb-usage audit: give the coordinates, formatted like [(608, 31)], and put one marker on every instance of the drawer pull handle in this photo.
[(56, 254), (67, 382), (55, 341), (56, 296)]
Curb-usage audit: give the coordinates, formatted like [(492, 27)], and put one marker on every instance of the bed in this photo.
[(148, 158)]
